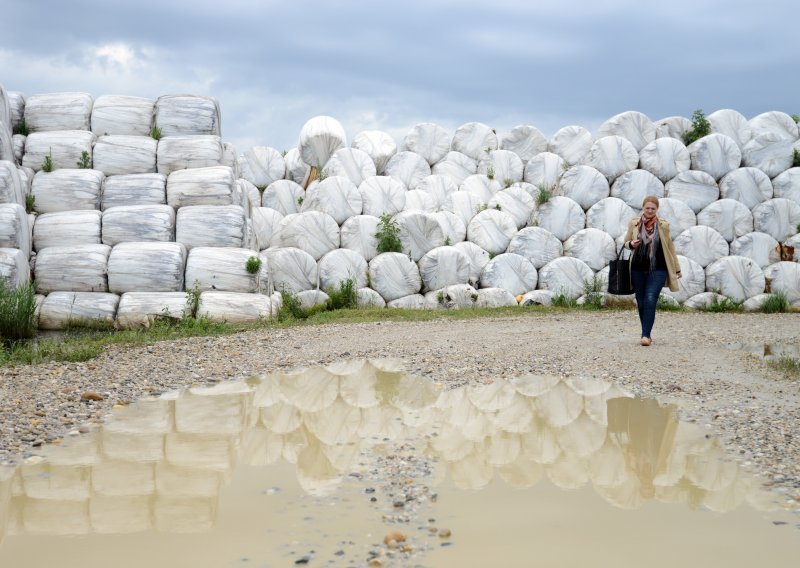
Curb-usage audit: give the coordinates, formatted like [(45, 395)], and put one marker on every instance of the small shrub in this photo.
[(22, 128), (447, 241), (594, 291), (85, 162), (193, 299), (323, 175), (796, 118), (543, 195), (292, 308), (300, 201), (388, 235), (253, 265), (776, 303), (498, 207), (490, 172), (30, 203), (474, 297), (796, 158), (17, 312), (155, 132), (723, 305), (565, 165), (343, 297), (261, 188), (700, 127), (47, 164)]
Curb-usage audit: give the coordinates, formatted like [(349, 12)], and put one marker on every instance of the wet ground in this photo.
[(359, 463)]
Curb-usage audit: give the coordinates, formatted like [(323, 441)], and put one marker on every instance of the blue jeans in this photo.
[(647, 286)]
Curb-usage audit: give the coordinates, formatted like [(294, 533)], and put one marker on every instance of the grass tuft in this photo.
[(17, 312), (776, 303), (155, 133), (21, 128), (343, 297)]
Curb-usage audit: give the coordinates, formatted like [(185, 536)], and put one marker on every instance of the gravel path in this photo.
[(737, 396)]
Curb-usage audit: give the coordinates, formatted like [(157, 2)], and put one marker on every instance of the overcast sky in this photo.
[(385, 65)]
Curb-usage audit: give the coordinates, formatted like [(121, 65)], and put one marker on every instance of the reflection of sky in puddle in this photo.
[(161, 464), (768, 351)]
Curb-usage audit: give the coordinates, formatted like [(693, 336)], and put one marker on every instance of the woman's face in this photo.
[(649, 210)]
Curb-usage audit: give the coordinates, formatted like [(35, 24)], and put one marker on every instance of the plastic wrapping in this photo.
[(481, 187), (420, 201), (249, 194), (544, 170), (787, 185), (236, 307), (732, 124), (673, 127), (187, 152), (369, 298), (15, 229), (58, 111), (525, 141), (464, 205), (229, 159), (210, 226), (691, 282), (290, 269), (565, 275), (457, 296), (633, 186), (320, 137), (11, 188), (584, 185), (736, 277), (261, 166), (419, 232), (695, 189), (679, 215), (202, 186), (67, 190), (453, 227), (440, 188), (492, 230), (561, 216), (537, 298), (187, 115), (336, 196), (382, 195), (340, 265), (511, 272), (14, 268), (715, 154), (747, 185), (358, 234), (473, 139), (393, 275), (536, 244), (572, 143), (147, 267), (443, 266), (139, 310), (728, 217), (702, 244), (283, 196), (429, 140), (356, 165), (778, 217), (266, 222), (704, 300), (222, 269), (503, 166), (612, 216), (296, 169), (408, 168), (61, 310), (64, 148), (312, 231), (76, 268), (634, 126), (775, 122), (593, 246), (758, 247), (612, 156), (134, 189), (457, 166), (67, 228), (477, 257), (380, 146), (784, 277), (410, 302), (16, 105), (665, 158), (121, 155), (122, 115), (770, 152), (311, 298), (17, 148), (516, 202), (494, 298)]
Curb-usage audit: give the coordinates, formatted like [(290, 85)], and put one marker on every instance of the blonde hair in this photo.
[(650, 199)]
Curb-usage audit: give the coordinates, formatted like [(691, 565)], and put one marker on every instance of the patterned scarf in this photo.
[(648, 233)]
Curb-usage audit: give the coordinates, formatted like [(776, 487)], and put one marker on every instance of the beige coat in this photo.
[(670, 256)]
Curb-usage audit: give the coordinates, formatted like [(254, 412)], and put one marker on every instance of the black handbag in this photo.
[(619, 275)]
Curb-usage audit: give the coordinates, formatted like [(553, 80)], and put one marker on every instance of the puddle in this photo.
[(359, 463), (768, 351)]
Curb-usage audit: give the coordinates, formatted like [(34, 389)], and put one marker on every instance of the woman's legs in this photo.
[(647, 286)]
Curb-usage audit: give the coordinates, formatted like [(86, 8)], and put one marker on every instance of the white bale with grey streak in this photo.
[(336, 196), (187, 115), (494, 298), (14, 267), (429, 140), (477, 257), (695, 189), (265, 224), (284, 196), (474, 139), (147, 267), (16, 105), (633, 186), (691, 282), (612, 156), (123, 154), (594, 247), (504, 166), (358, 234), (134, 189), (665, 158), (122, 115), (735, 277), (261, 166), (456, 165), (728, 217), (410, 302), (188, 152), (702, 244), (443, 266), (138, 223), (544, 170), (611, 215), (770, 152), (784, 277), (418, 233), (296, 169), (408, 168), (214, 185), (352, 163), (440, 188), (634, 126), (11, 187), (525, 141), (379, 145), (139, 310), (7, 143), (369, 298), (66, 228), (538, 245), (511, 272), (339, 265), (67, 190), (787, 185), (290, 269), (561, 216), (236, 307), (732, 124), (758, 247), (565, 275), (58, 111), (572, 143), (464, 204), (778, 217), (715, 154), (673, 127), (481, 186), (314, 232), (60, 310), (492, 230), (747, 185), (15, 229), (679, 215), (584, 185), (421, 201), (65, 148), (382, 195), (453, 227), (393, 275), (210, 226), (775, 122), (76, 268), (223, 269), (516, 202), (320, 137)]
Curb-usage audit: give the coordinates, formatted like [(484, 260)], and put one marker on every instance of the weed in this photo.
[(193, 299), (796, 118), (17, 312), (440, 298), (492, 255), (776, 303), (292, 308), (47, 164), (474, 297), (796, 158), (543, 195), (85, 162), (789, 366), (481, 207), (343, 297), (508, 182), (490, 172), (565, 165), (562, 300), (447, 241), (261, 188), (30, 203), (664, 305), (700, 127), (369, 280), (155, 132), (253, 265), (21, 128), (723, 305), (594, 292), (323, 175), (498, 207), (388, 235)]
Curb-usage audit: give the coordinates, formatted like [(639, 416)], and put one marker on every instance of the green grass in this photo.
[(788, 366), (594, 290), (776, 303), (543, 195), (796, 158), (22, 128), (723, 305), (253, 265), (155, 132), (17, 312), (30, 203), (343, 297), (665, 306)]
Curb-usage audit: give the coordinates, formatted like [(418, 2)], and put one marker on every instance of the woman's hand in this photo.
[(635, 243)]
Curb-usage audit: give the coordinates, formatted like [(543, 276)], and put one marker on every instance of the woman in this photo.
[(653, 263)]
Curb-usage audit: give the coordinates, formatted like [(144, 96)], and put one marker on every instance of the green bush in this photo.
[(700, 127), (388, 235), (253, 265), (85, 162), (562, 300), (17, 312), (343, 297)]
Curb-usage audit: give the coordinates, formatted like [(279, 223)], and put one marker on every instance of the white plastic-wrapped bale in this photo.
[(561, 216), (665, 158), (538, 245), (612, 156), (67, 190), (11, 188), (477, 257), (691, 282), (393, 275), (358, 234), (572, 143), (410, 302), (770, 152), (673, 127), (139, 310), (138, 223), (784, 277), (778, 217), (249, 194), (340, 265), (429, 140), (379, 145), (290, 269), (456, 165), (715, 154), (695, 189), (776, 122), (702, 244), (223, 269), (732, 124), (296, 169), (26, 179), (66, 228), (58, 111), (185, 152), (703, 300), (134, 189), (464, 205), (453, 227), (14, 268), (679, 215), (418, 232), (633, 186), (61, 310), (787, 185), (261, 165), (565, 275), (511, 272), (736, 277), (634, 126), (237, 307), (473, 138), (121, 154), (584, 185), (790, 249), (122, 115), (503, 165), (440, 188), (420, 201), (443, 266), (320, 137), (15, 229), (747, 185), (525, 141), (283, 196), (492, 230), (544, 170), (728, 217), (214, 185), (187, 115), (495, 298), (147, 267), (336, 195), (76, 268), (481, 186), (593, 246), (312, 298), (17, 148), (756, 303), (382, 195), (611, 215), (210, 226), (537, 298), (758, 247), (408, 168), (64, 148), (265, 224), (516, 202), (356, 165), (457, 296), (16, 108), (315, 232), (369, 298)]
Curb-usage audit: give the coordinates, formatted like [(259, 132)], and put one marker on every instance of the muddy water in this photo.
[(360, 462)]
